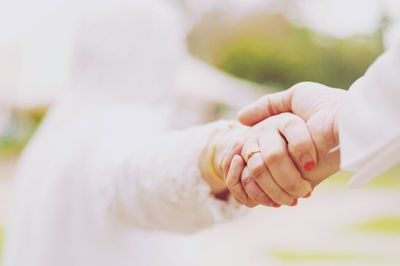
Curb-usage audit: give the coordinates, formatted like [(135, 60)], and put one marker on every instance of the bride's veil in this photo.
[(127, 51)]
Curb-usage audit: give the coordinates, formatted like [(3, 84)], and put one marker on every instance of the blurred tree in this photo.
[(266, 48), (22, 126)]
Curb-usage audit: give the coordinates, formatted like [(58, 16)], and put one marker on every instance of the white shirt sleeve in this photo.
[(369, 122)]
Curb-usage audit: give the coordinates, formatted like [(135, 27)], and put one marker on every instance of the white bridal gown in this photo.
[(105, 181)]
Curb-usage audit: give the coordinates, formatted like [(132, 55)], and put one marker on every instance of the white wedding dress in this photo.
[(106, 180)]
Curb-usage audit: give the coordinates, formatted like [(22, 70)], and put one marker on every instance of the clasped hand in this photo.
[(287, 150), (265, 164)]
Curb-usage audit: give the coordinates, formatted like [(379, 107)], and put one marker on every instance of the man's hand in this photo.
[(318, 106)]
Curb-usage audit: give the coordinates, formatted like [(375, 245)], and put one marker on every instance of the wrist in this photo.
[(213, 154), (207, 165), (208, 175), (224, 142)]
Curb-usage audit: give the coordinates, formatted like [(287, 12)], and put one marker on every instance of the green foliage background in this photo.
[(268, 49), (23, 125)]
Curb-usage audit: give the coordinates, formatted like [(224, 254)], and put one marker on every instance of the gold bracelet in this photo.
[(211, 166)]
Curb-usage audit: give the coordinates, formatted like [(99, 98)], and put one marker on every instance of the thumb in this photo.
[(267, 106)]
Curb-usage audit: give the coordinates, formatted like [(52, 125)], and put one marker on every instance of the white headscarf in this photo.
[(128, 51)]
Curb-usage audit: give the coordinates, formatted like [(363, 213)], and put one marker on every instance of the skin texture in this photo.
[(221, 141), (286, 152), (318, 106), (260, 165), (283, 142)]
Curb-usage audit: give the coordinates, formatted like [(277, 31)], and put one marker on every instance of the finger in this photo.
[(233, 181), (275, 155), (249, 149), (226, 162), (238, 200), (265, 107), (300, 143), (245, 176), (254, 192), (262, 177)]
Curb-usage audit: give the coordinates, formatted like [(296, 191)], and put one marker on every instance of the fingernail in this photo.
[(294, 203), (308, 162)]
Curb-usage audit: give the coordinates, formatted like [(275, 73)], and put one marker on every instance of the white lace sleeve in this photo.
[(152, 181)]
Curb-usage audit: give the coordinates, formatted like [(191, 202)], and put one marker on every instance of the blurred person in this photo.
[(356, 130), (107, 176)]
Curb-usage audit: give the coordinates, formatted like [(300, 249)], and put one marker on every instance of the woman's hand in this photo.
[(277, 153), (221, 164), (317, 105), (264, 164)]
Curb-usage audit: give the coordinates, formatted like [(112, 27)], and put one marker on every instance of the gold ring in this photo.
[(251, 154)]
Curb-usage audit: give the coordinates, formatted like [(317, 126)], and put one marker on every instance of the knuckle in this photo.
[(245, 181), (274, 157), (281, 198), (290, 122), (244, 152), (288, 201), (250, 203), (300, 147), (238, 188), (257, 171), (233, 186), (285, 201), (261, 198), (293, 188)]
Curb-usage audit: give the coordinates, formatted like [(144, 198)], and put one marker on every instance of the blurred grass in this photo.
[(389, 225), (23, 125), (1, 239), (390, 179), (294, 256)]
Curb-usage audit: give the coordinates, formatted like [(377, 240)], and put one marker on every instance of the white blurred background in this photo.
[(37, 37), (337, 226)]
